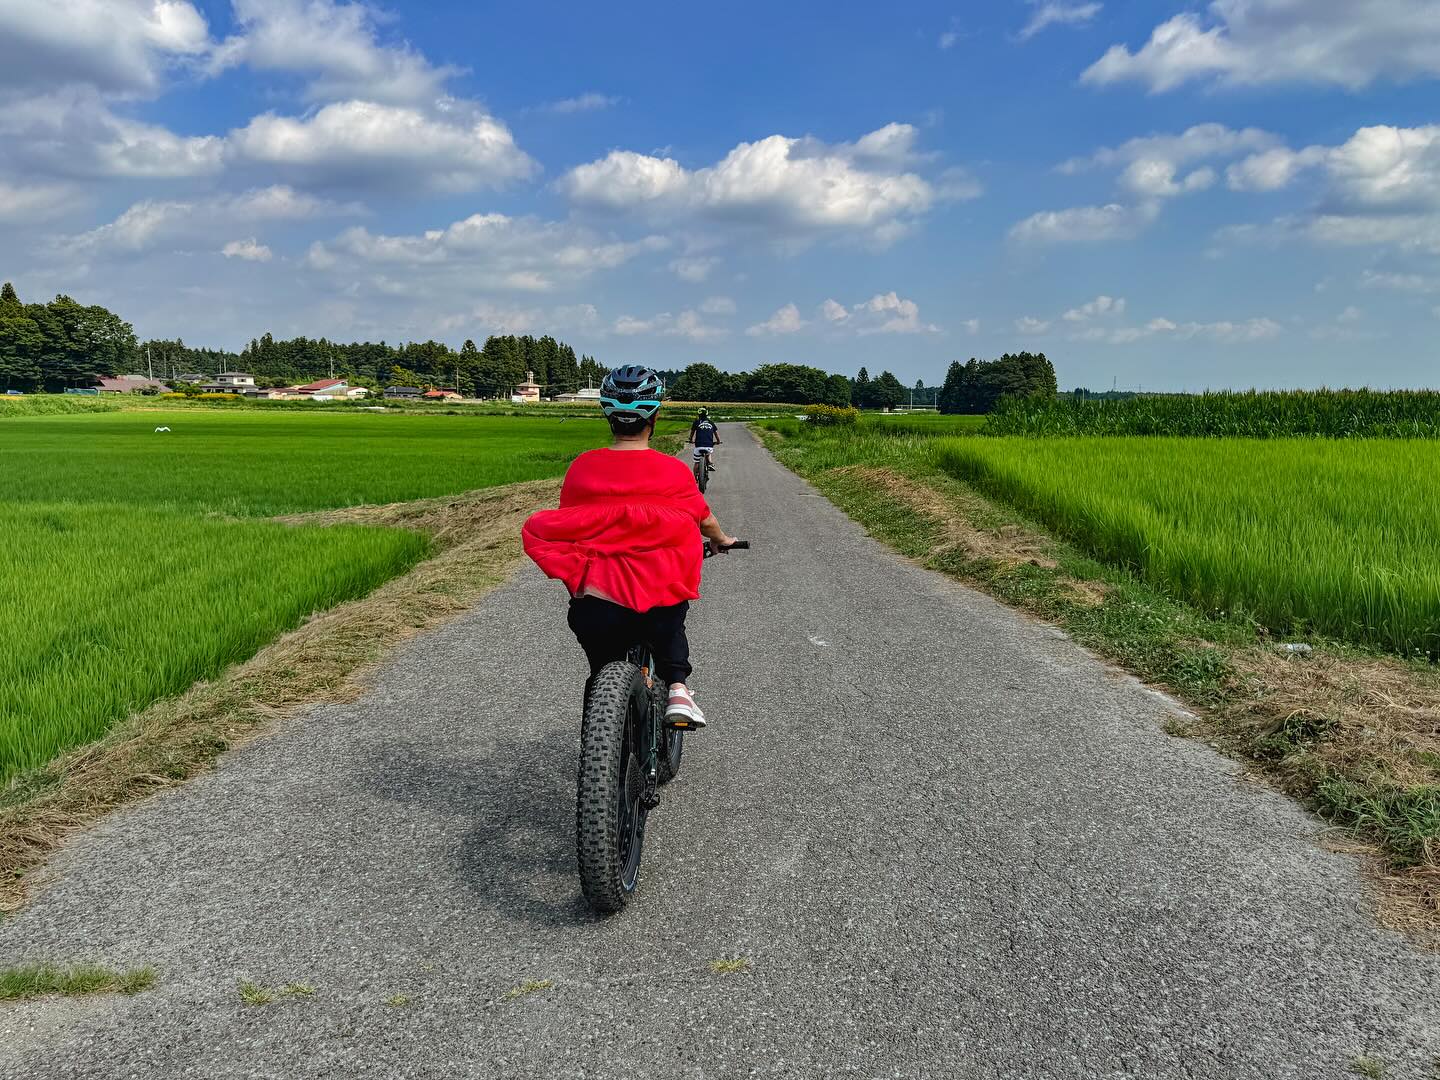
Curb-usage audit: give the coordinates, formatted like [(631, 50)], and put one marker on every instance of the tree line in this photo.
[(62, 344), (59, 344), (972, 387), (975, 387), (492, 370)]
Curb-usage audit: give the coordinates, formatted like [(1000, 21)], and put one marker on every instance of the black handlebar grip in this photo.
[(739, 544)]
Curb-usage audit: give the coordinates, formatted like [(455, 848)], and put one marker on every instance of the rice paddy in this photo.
[(135, 562), (1332, 537), (267, 463)]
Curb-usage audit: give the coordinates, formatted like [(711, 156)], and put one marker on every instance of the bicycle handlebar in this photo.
[(712, 548)]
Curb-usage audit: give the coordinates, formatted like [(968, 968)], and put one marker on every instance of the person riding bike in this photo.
[(626, 542), (706, 436)]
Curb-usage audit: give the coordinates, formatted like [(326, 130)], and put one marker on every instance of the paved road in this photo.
[(950, 842)]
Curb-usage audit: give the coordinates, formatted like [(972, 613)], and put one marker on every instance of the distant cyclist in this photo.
[(706, 436), (626, 541)]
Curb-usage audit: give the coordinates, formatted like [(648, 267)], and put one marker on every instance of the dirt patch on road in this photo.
[(477, 537)]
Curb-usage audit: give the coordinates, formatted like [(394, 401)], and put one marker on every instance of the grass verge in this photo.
[(1354, 734), (40, 980), (476, 537)]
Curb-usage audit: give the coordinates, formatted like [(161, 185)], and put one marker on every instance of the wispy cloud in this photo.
[(587, 102), (1058, 14)]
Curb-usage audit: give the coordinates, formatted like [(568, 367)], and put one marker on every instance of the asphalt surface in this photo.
[(950, 843)]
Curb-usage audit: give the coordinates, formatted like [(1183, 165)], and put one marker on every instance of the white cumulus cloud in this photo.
[(796, 186), (1084, 224), (249, 249), (120, 46), (191, 224), (785, 321), (337, 45), (1349, 43), (454, 147), (490, 250), (688, 324), (74, 132), (1381, 187), (1099, 307)]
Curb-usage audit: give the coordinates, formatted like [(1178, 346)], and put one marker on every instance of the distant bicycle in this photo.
[(627, 751), (703, 468)]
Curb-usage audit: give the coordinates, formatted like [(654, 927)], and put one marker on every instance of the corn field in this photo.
[(1337, 414)]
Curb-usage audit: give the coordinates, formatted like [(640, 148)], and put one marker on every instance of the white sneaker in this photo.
[(682, 712)]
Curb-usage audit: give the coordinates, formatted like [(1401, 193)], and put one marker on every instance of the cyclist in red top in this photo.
[(626, 541)]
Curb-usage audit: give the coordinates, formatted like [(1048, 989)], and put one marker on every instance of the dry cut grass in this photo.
[(477, 535)]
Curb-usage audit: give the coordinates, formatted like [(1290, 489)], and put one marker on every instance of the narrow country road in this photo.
[(949, 842)]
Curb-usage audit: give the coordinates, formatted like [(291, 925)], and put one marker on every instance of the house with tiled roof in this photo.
[(131, 384), (331, 390)]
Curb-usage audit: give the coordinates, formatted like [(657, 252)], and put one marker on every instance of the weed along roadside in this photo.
[(1327, 713)]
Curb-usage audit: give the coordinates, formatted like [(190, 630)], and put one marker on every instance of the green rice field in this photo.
[(1335, 537), (109, 608), (264, 463), (134, 563)]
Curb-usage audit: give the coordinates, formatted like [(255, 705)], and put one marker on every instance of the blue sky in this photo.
[(1228, 194)]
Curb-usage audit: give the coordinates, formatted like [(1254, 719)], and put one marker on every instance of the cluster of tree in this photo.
[(64, 344), (769, 382), (975, 387), (491, 371), (882, 392), (59, 344)]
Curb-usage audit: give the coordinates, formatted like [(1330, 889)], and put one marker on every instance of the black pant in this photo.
[(607, 631)]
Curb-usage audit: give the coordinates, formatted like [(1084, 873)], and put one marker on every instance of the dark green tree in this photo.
[(700, 382), (837, 391), (951, 394), (861, 397), (886, 392), (468, 361)]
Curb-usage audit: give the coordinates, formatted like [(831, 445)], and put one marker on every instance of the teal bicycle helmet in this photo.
[(630, 396)]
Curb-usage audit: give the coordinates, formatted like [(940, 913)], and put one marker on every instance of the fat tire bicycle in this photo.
[(627, 752), (702, 469)]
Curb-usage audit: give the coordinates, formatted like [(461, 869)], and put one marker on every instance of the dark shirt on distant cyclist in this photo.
[(703, 433)]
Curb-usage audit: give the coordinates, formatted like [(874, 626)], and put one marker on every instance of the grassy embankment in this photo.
[(1190, 561), (139, 563)]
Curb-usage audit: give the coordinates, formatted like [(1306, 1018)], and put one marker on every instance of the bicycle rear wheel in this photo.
[(609, 807), (672, 742), (702, 474)]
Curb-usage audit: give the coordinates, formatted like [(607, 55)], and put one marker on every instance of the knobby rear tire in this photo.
[(672, 742), (702, 473), (608, 767)]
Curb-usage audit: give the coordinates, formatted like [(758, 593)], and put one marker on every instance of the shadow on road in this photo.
[(517, 857)]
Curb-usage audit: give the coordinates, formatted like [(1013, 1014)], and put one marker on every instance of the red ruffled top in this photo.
[(627, 527)]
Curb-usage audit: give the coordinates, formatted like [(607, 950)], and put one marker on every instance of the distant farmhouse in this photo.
[(329, 390), (585, 393), (403, 393), (131, 384), (229, 382)]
